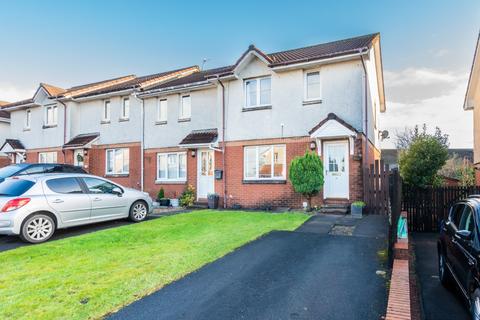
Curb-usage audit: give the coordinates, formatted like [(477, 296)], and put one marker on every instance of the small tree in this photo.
[(188, 196), (306, 175), (420, 163)]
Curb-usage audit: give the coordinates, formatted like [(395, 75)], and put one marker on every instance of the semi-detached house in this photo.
[(231, 130)]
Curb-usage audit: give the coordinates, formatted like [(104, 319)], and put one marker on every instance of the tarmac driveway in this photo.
[(306, 274)]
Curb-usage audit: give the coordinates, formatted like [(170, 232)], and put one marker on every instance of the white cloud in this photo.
[(440, 104), (9, 92)]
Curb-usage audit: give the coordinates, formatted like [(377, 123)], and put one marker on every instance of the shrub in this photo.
[(359, 204), (306, 175), (161, 194), (188, 196)]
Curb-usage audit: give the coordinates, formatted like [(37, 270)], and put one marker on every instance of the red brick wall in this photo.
[(95, 163), (5, 161)]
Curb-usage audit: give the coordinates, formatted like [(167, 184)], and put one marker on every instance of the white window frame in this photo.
[(166, 179), (257, 105), (159, 110), (305, 85), (273, 178), (28, 118), (114, 151), (106, 112), (54, 119), (181, 114), (125, 115), (46, 156)]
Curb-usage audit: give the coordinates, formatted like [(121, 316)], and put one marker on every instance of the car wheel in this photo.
[(443, 271), (37, 228), (138, 211), (475, 304)]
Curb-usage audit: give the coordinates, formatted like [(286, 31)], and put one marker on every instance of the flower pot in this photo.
[(357, 211), (174, 202), (164, 202), (212, 201)]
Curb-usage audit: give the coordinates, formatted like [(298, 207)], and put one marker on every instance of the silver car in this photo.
[(34, 206)]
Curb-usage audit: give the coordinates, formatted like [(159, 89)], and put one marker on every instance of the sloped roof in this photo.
[(203, 136), (52, 91), (472, 95), (18, 103), (14, 143), (81, 140), (332, 116), (3, 113)]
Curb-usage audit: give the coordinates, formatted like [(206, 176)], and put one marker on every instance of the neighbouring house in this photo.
[(231, 130), (390, 156), (472, 102), (4, 132)]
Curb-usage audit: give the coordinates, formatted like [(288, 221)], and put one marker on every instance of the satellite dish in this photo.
[(384, 135)]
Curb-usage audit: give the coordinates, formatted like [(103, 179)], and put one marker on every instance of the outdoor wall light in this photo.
[(193, 153), (313, 145), (85, 152)]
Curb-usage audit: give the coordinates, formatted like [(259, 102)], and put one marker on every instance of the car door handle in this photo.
[(57, 201), (97, 199)]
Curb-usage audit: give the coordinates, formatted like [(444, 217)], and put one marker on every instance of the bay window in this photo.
[(265, 162), (257, 92), (118, 161), (172, 166)]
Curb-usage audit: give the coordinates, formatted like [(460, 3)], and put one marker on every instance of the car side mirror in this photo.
[(464, 234), (117, 191)]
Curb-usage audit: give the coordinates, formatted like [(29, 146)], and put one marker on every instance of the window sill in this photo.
[(184, 120), (264, 181), (310, 102), (123, 119), (160, 122), (117, 175), (247, 109), (105, 122), (26, 129), (170, 182), (48, 126)]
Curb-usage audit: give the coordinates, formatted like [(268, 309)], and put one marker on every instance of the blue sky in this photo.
[(427, 45)]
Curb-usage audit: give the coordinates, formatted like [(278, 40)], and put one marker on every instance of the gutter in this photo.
[(365, 119), (223, 145), (142, 140), (64, 128), (174, 89), (316, 61)]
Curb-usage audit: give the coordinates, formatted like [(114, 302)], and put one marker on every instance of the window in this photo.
[(265, 162), (28, 118), (172, 166), (456, 214), (51, 115), (312, 86), (64, 185), (126, 108), (15, 187), (95, 185), (466, 221), (162, 110), (47, 157), (106, 111), (257, 92), (118, 161), (185, 108)]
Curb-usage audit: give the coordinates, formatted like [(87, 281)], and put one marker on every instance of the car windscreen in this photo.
[(14, 187), (8, 171)]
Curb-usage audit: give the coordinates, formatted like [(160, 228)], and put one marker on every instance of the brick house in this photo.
[(231, 130), (472, 103)]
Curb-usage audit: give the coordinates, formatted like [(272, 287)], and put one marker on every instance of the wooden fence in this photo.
[(427, 207), (376, 187)]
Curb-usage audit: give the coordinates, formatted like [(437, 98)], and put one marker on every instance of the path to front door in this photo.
[(336, 169), (205, 168)]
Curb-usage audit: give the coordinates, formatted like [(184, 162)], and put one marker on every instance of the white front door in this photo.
[(336, 169), (205, 177)]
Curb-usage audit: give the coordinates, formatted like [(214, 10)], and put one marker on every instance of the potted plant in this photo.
[(213, 200), (357, 208), (174, 201), (164, 202)]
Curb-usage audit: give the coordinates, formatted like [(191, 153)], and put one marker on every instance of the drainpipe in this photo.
[(64, 128), (365, 119), (223, 145), (142, 139)]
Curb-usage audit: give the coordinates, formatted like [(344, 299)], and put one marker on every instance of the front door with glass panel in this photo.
[(336, 169), (205, 177)]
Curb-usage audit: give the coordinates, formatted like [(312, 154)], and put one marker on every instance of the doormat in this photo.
[(340, 230)]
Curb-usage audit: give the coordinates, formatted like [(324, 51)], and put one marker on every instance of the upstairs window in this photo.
[(106, 111), (51, 115), (258, 92), (185, 108), (162, 110), (125, 108), (28, 118), (312, 86), (118, 161)]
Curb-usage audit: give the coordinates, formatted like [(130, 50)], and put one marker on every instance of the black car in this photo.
[(459, 251), (32, 168)]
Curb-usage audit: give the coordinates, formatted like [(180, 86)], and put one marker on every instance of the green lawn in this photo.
[(91, 275)]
